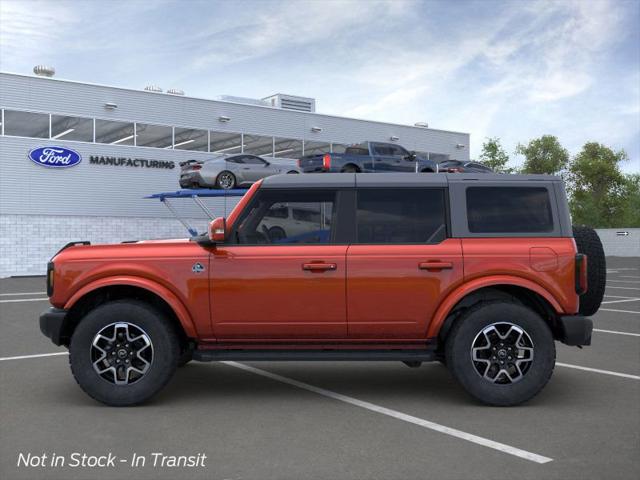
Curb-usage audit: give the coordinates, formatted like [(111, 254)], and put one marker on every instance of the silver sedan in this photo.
[(228, 172)]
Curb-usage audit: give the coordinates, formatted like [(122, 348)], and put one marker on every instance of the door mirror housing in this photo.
[(411, 156), (217, 230)]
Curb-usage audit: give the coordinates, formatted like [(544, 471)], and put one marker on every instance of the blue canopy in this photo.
[(199, 192)]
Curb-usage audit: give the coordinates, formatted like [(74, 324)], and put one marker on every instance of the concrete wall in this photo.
[(616, 244)]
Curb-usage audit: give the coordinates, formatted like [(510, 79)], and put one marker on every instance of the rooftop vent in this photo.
[(421, 124), (153, 88), (44, 71), (291, 102), (175, 91)]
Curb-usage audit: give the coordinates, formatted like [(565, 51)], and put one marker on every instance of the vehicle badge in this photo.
[(197, 268)]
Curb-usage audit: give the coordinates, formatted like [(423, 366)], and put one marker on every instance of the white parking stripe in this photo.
[(616, 332), (622, 288), (623, 281), (21, 357), (615, 296), (597, 370), (629, 276), (22, 293), (620, 301), (25, 300), (485, 442), (619, 311)]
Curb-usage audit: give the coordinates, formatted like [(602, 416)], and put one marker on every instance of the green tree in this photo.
[(494, 156), (631, 205), (543, 155), (600, 193)]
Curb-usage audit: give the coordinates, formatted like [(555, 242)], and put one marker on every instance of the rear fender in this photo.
[(454, 297)]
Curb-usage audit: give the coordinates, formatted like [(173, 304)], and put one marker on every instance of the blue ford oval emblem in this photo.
[(55, 157)]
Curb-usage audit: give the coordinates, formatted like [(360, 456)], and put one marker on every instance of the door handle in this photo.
[(435, 265), (319, 267)]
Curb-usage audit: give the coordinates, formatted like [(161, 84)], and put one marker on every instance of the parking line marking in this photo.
[(22, 293), (619, 311), (615, 296), (629, 276), (620, 301), (597, 370), (17, 300), (623, 281), (622, 288), (617, 332), (485, 442), (39, 355)]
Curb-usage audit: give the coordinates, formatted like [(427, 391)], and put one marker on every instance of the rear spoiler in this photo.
[(189, 162)]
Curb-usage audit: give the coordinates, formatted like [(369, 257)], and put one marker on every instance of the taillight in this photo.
[(454, 170), (50, 273), (299, 163), (196, 167), (326, 161), (581, 274)]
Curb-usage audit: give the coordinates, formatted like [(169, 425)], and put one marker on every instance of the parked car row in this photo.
[(232, 171)]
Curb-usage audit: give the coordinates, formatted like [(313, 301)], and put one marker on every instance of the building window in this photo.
[(287, 148), (258, 145), (316, 148), (157, 136), (338, 148), (26, 124), (71, 128), (114, 133), (225, 143), (191, 139)]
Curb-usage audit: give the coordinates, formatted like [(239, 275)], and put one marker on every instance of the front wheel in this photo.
[(123, 352), (501, 353)]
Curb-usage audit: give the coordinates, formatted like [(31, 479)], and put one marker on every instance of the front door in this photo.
[(402, 264), (282, 274)]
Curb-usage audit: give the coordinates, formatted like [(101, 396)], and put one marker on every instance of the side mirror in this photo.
[(217, 230), (266, 164), (411, 156)]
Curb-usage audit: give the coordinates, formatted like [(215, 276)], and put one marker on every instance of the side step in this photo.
[(315, 355)]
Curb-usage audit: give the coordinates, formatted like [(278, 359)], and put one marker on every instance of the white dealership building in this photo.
[(128, 143)]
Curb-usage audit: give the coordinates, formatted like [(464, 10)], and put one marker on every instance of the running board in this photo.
[(315, 355)]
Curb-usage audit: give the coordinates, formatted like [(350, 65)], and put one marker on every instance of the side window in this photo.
[(398, 151), (238, 159), (392, 216), (268, 221), (252, 160), (509, 210)]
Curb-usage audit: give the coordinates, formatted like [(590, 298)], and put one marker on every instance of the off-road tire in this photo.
[(165, 344), (458, 354), (589, 243)]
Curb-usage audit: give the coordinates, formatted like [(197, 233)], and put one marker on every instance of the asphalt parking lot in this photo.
[(329, 420)]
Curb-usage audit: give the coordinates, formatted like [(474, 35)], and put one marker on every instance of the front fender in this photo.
[(164, 293), (454, 297)]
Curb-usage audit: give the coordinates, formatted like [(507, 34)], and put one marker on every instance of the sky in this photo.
[(509, 69)]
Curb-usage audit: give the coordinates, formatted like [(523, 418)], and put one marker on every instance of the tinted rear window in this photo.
[(509, 210), (401, 216)]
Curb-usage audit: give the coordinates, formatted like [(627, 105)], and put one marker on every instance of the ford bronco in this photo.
[(481, 272)]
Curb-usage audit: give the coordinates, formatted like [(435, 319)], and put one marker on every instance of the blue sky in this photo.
[(511, 69)]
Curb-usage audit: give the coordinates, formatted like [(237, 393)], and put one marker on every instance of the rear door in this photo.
[(402, 263)]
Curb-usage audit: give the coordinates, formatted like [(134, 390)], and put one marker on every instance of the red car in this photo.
[(481, 272)]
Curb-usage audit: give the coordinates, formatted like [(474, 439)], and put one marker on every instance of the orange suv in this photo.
[(479, 271)]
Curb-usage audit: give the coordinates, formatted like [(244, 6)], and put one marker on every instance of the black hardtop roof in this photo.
[(346, 180)]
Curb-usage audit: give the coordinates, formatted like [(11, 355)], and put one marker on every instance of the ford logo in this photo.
[(55, 157)]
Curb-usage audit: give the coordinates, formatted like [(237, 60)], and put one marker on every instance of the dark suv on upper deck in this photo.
[(479, 271)]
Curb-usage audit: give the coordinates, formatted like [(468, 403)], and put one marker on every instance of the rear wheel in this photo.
[(501, 353), (226, 180), (292, 172), (350, 169), (123, 352), (588, 242)]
